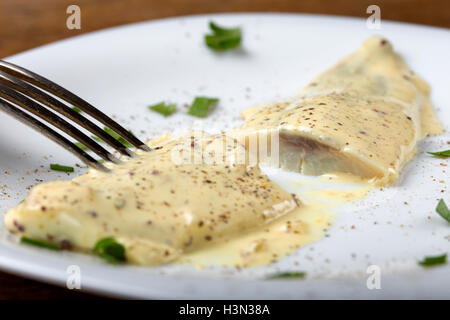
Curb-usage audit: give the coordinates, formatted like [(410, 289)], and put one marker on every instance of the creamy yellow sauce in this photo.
[(302, 226), (364, 116), (193, 200), (156, 207)]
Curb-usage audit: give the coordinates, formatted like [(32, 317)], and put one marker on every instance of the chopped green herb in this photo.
[(202, 106), (223, 38), (288, 275), (101, 161), (81, 146), (118, 137), (112, 134), (58, 167), (445, 153), (110, 250), (162, 108), (432, 261), (40, 243), (443, 210), (76, 110)]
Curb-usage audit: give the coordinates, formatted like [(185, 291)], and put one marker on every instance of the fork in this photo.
[(24, 89)]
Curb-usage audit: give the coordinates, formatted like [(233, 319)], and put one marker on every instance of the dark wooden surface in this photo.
[(18, 288), (25, 24)]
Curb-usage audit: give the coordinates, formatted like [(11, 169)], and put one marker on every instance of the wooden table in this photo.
[(25, 24)]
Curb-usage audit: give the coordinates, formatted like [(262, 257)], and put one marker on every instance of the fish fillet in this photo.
[(364, 117)]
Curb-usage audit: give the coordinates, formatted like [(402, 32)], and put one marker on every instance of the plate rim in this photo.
[(26, 271)]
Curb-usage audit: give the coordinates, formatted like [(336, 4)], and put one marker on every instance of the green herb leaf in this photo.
[(288, 275), (77, 110), (443, 210), (110, 250), (223, 38), (162, 108), (445, 153), (202, 106), (40, 243), (81, 146), (58, 167), (118, 137), (112, 134), (433, 261)]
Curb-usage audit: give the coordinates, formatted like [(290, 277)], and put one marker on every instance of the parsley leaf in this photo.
[(287, 275), (110, 250), (112, 134), (57, 167), (118, 137), (443, 210), (97, 139), (162, 108), (77, 110), (432, 261), (81, 146), (40, 243), (444, 154), (223, 38), (202, 106)]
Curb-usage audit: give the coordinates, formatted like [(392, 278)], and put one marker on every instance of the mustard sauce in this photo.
[(196, 203)]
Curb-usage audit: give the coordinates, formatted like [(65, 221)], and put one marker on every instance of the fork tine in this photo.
[(17, 98), (68, 96), (44, 98), (50, 133)]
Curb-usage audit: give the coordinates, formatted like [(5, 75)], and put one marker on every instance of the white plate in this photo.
[(124, 69)]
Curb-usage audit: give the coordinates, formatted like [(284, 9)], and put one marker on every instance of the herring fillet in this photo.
[(157, 205), (364, 116)]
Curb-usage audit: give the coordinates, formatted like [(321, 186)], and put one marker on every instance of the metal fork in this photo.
[(21, 88)]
